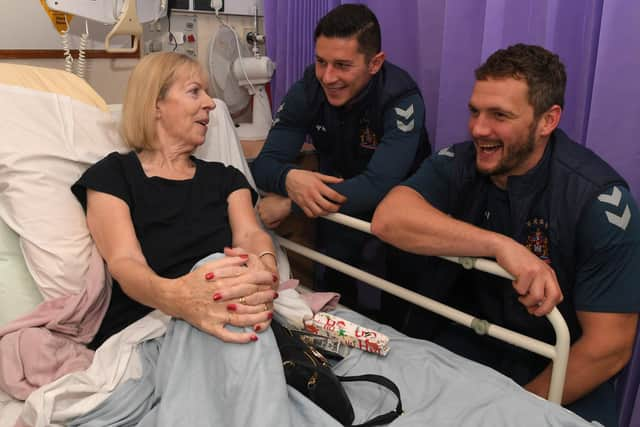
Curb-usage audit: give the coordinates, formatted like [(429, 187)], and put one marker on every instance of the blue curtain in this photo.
[(441, 42)]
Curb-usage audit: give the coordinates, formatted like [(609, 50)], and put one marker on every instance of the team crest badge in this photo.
[(368, 139), (538, 238)]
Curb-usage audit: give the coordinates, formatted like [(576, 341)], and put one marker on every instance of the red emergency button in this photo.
[(191, 38)]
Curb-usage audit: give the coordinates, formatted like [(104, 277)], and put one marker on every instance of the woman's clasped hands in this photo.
[(234, 290)]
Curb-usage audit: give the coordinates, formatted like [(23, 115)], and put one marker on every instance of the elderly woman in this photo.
[(154, 213), (157, 210)]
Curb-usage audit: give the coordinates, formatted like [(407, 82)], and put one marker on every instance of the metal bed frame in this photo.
[(559, 354)]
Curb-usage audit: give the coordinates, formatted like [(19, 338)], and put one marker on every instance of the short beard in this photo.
[(515, 156)]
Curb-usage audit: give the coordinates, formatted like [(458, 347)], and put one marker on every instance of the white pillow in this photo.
[(47, 139), (17, 287)]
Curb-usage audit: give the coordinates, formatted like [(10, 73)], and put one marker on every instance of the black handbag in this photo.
[(309, 372)]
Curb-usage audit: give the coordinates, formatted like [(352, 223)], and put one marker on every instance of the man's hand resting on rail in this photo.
[(310, 191), (273, 209), (209, 298), (536, 282)]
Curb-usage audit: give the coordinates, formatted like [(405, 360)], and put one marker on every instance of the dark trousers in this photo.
[(373, 256), (346, 245)]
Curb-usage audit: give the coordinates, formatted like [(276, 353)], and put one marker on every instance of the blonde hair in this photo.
[(149, 83)]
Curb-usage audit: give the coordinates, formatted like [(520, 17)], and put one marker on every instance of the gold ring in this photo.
[(243, 300), (266, 307)]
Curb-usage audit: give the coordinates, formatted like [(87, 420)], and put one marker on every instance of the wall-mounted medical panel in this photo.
[(181, 36), (229, 7)]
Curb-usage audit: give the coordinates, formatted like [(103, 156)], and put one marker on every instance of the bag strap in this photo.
[(385, 382)]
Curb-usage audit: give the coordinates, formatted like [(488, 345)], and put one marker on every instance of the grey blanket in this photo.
[(191, 378)]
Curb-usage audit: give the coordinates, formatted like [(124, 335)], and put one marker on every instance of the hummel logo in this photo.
[(408, 127), (405, 114), (446, 152), (321, 128), (614, 199), (620, 221)]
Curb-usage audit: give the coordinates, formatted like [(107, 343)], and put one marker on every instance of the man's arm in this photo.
[(392, 160), (606, 295), (603, 350), (318, 194), (406, 220), (275, 172)]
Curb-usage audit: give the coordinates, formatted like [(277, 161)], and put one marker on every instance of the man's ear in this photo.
[(550, 120), (376, 62)]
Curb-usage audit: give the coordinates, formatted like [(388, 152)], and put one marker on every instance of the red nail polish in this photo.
[(275, 278), (254, 338), (257, 328), (231, 307), (275, 296), (217, 296), (270, 316), (244, 256), (209, 276)]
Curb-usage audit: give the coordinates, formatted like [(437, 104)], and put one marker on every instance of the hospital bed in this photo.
[(53, 126)]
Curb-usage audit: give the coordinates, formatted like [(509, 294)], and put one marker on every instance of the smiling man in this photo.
[(550, 211), (365, 118)]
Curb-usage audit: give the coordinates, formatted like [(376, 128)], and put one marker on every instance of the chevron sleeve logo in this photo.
[(613, 216), (446, 152), (405, 121)]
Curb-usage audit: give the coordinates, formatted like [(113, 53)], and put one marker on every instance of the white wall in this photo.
[(109, 76)]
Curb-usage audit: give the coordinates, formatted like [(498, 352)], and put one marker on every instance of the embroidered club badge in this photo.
[(538, 238)]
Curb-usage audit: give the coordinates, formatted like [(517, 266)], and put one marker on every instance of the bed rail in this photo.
[(559, 354)]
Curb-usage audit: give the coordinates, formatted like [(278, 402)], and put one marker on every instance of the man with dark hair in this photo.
[(365, 118), (550, 211)]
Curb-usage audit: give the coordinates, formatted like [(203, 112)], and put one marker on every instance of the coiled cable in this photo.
[(66, 46), (81, 62)]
